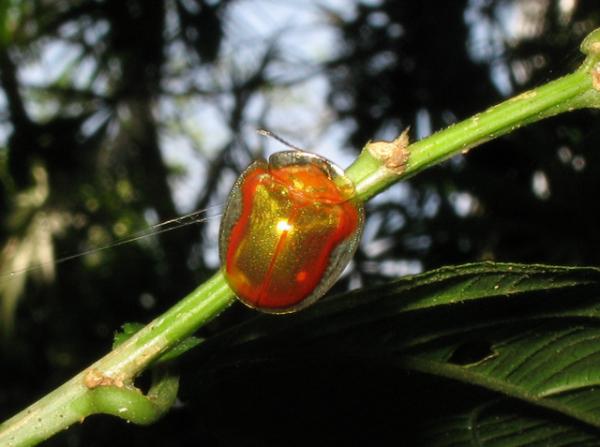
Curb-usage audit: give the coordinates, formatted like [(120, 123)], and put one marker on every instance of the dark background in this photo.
[(82, 162)]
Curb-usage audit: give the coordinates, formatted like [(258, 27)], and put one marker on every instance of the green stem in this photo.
[(575, 91), (107, 385), (83, 395)]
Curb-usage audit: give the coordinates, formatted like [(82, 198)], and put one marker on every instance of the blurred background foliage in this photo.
[(119, 114)]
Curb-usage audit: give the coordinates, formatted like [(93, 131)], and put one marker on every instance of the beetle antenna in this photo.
[(268, 133)]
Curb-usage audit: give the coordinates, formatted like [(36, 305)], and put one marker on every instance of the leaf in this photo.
[(183, 346), (503, 423), (126, 332), (512, 352)]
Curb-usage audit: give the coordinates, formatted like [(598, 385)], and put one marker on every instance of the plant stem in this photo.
[(574, 91), (114, 373), (107, 385)]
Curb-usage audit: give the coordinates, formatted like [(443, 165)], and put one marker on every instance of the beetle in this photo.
[(290, 227)]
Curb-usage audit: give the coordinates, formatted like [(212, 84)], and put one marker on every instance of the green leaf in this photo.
[(183, 346), (502, 423), (127, 330), (513, 351)]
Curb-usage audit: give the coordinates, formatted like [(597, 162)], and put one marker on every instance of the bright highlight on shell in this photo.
[(283, 225)]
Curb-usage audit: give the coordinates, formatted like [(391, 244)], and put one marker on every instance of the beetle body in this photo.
[(289, 228)]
